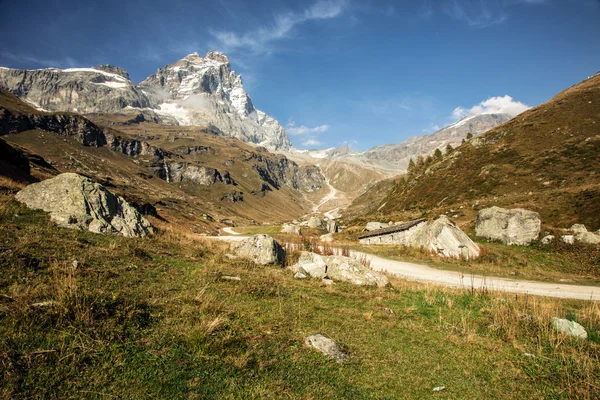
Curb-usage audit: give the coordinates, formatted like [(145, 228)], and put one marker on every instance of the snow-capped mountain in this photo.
[(192, 91), (398, 155)]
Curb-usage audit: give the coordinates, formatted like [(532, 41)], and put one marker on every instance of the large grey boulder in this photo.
[(569, 328), (338, 268), (315, 222), (75, 201), (326, 238), (587, 237), (513, 227), (373, 226), (326, 346), (262, 249), (444, 238)]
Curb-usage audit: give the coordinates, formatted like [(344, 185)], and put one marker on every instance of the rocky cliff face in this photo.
[(192, 91)]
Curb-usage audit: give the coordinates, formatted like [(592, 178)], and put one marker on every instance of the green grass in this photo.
[(151, 318)]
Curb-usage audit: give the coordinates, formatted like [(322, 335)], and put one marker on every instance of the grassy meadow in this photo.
[(153, 318)]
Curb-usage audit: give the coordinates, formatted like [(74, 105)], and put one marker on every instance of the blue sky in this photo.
[(333, 71)]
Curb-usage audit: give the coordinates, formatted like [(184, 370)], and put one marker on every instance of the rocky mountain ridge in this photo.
[(192, 91)]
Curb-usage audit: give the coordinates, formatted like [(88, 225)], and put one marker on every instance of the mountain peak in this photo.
[(217, 56)]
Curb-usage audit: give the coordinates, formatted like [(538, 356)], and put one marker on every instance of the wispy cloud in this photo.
[(305, 130), (311, 142), (258, 40), (66, 62), (475, 13), (493, 105)]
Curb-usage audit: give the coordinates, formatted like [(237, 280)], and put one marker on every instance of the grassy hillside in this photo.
[(546, 159), (152, 318)]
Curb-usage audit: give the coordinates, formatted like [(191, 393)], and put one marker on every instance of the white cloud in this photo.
[(258, 40), (311, 142), (478, 14), (493, 105), (305, 130)]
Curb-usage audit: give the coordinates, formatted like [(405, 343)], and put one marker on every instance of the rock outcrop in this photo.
[(444, 238), (315, 222), (75, 201), (262, 249), (338, 268), (332, 226), (287, 228), (512, 227)]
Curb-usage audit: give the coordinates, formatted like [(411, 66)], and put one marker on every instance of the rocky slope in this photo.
[(192, 91)]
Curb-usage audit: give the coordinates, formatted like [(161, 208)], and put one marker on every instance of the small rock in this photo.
[(231, 278), (570, 239), (300, 275), (439, 388), (587, 237), (262, 249), (578, 228), (569, 328), (327, 282), (326, 346), (547, 239), (326, 238)]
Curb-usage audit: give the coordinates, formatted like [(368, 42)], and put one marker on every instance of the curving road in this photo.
[(424, 273)]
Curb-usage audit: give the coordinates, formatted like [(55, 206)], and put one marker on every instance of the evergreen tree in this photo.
[(411, 165), (449, 148), (420, 162), (469, 135), (437, 154), (428, 160)]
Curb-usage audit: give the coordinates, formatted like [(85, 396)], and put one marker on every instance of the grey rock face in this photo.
[(513, 227), (75, 201), (444, 238), (326, 346), (569, 328), (180, 171), (262, 249), (338, 268), (83, 90)]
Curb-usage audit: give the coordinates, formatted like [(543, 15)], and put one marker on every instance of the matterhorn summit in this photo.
[(202, 91), (192, 91)]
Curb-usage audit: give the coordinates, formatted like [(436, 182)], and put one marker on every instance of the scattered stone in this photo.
[(439, 388), (326, 346), (547, 239), (529, 355), (287, 228), (315, 222), (372, 226), (231, 256), (262, 249), (569, 328), (76, 202), (587, 237), (326, 238), (300, 275), (45, 304), (578, 228), (332, 226), (234, 197), (569, 239), (231, 278), (512, 227), (389, 310), (444, 238), (327, 282), (338, 268)]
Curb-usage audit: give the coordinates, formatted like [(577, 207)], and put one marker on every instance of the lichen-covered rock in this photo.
[(444, 238), (569, 328), (75, 201), (287, 228), (262, 249), (326, 346), (513, 227), (338, 268), (587, 237), (578, 228)]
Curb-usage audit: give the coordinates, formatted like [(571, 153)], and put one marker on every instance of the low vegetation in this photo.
[(86, 315)]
